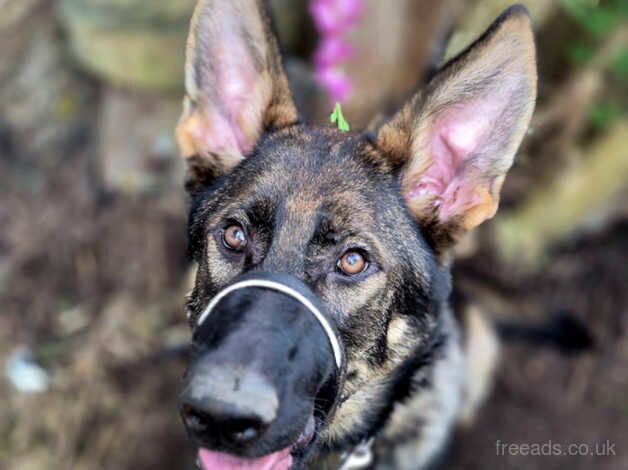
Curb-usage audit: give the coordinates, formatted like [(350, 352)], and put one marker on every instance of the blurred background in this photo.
[(93, 266)]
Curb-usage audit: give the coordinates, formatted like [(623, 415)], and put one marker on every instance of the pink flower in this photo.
[(332, 50), (334, 16), (336, 83)]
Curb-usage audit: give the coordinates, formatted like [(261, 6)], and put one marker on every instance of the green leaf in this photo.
[(579, 53), (602, 115), (334, 115), (620, 65), (596, 19), (577, 9), (601, 21), (621, 7), (337, 117)]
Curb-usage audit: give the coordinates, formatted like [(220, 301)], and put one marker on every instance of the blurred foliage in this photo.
[(601, 115), (597, 21), (579, 53), (620, 66), (595, 17)]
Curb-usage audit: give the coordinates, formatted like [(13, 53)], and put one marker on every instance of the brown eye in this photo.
[(234, 237), (352, 262)]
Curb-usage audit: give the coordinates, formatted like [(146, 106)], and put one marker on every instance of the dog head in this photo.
[(359, 224)]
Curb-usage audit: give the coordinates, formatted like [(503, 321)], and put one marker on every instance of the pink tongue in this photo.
[(280, 460)]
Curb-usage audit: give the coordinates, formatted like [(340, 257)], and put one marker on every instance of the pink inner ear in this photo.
[(217, 135), (236, 88), (454, 137), (233, 119)]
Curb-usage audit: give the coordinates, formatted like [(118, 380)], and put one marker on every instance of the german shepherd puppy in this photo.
[(361, 223)]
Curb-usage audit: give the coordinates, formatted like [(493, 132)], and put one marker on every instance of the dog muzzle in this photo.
[(361, 456), (287, 285)]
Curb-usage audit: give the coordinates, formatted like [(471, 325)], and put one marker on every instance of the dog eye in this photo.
[(234, 238), (351, 263)]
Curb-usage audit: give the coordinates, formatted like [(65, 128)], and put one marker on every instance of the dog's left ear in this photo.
[(235, 85), (456, 139)]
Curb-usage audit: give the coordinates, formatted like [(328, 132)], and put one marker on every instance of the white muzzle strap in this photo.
[(284, 289)]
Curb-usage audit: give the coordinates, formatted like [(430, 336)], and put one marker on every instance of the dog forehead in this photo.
[(311, 165), (300, 151)]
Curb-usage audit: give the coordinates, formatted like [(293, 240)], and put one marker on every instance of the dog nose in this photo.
[(227, 406)]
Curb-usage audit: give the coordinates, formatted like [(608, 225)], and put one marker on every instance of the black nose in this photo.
[(227, 407)]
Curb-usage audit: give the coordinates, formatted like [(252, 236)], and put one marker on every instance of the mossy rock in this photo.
[(128, 13), (141, 59), (144, 50)]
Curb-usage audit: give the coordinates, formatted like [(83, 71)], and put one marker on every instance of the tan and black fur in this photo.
[(305, 195)]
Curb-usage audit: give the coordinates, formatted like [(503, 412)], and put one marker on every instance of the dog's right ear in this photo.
[(455, 140), (236, 87)]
